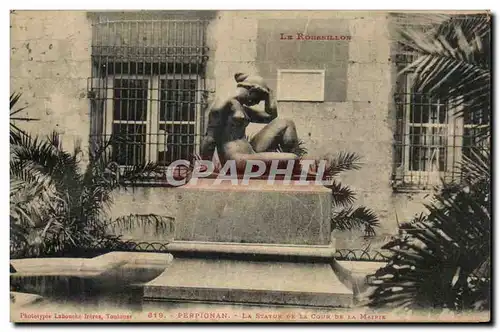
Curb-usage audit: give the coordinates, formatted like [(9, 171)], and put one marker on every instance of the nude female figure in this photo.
[(228, 119)]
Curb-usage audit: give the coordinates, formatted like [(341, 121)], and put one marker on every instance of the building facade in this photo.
[(149, 76)]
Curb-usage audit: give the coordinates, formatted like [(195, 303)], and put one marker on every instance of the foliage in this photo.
[(14, 116), (344, 215), (441, 260), (56, 207), (299, 149), (454, 64)]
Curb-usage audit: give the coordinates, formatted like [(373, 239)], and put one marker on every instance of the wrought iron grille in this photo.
[(340, 254), (363, 255), (430, 139), (148, 89)]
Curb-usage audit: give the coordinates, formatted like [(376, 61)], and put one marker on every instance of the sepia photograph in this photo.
[(250, 166)]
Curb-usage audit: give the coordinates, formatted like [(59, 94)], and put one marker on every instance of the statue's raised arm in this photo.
[(258, 90)]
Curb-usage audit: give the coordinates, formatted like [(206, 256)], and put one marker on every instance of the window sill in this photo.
[(405, 190), (408, 188)]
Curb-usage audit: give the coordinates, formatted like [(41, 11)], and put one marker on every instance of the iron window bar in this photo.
[(148, 90), (430, 139)]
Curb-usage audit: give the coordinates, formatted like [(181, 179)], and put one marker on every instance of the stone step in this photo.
[(249, 282)]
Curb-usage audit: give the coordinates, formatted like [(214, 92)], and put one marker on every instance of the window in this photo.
[(430, 139), (301, 85), (148, 90), (129, 120), (153, 119), (178, 125)]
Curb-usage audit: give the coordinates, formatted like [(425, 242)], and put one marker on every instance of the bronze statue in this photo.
[(228, 119)]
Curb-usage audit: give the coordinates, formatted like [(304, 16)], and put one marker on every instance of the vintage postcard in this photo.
[(250, 166)]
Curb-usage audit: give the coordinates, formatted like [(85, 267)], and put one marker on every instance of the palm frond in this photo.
[(56, 208), (52, 160), (341, 195), (429, 271), (299, 149), (341, 162), (14, 98), (100, 179), (454, 63), (442, 259), (143, 171), (425, 20), (15, 130), (356, 218), (160, 224), (33, 192), (476, 166)]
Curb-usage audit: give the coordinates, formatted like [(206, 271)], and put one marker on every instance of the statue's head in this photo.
[(255, 86)]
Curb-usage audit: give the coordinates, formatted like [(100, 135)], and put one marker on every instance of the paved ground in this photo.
[(128, 307)]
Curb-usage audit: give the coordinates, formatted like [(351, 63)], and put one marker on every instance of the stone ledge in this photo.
[(250, 296), (251, 249), (89, 267), (78, 276), (231, 281)]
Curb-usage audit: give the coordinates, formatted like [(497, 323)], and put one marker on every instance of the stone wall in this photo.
[(50, 64)]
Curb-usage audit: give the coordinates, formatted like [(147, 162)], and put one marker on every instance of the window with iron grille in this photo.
[(148, 89), (430, 139)]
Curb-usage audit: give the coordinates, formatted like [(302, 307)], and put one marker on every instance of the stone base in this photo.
[(259, 212), (259, 243), (246, 282), (250, 274)]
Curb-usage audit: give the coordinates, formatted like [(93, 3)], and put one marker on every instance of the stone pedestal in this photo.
[(255, 213), (252, 244)]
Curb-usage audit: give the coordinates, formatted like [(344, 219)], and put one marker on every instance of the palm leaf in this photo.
[(15, 130), (343, 161), (442, 259), (348, 217), (299, 149), (453, 64), (355, 218), (139, 172), (425, 21), (161, 224), (341, 195)]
